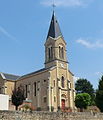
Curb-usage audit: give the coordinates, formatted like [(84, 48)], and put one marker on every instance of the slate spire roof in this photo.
[(54, 29)]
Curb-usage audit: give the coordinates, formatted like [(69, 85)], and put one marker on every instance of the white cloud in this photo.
[(66, 3), (88, 44), (99, 74), (7, 34), (75, 78)]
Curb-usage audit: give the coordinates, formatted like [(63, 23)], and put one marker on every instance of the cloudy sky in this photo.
[(23, 29)]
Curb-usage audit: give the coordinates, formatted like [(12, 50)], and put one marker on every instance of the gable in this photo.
[(60, 40)]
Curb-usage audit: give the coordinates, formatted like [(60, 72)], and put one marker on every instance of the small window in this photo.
[(44, 80), (35, 88), (59, 52), (26, 91), (70, 85), (62, 82), (54, 83), (45, 99), (54, 99)]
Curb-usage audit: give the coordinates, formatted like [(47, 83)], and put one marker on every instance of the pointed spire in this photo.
[(54, 29)]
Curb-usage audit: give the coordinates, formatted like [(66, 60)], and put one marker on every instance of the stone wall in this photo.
[(12, 115)]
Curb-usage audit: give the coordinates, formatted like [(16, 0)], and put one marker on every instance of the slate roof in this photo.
[(15, 77), (32, 73), (54, 29), (9, 76)]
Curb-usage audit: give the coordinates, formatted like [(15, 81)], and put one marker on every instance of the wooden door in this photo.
[(63, 104)]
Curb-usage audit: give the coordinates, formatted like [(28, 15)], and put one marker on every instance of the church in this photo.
[(51, 88)]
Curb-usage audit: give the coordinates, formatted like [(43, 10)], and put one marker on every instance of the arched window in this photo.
[(54, 83), (54, 99), (59, 52), (62, 52), (49, 53), (62, 82)]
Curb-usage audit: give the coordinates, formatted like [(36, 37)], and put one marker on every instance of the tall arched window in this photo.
[(62, 52), (59, 52), (49, 53), (62, 82)]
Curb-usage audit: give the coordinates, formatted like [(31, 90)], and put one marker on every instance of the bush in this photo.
[(82, 100)]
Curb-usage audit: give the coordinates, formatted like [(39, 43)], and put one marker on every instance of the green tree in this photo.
[(17, 97), (99, 95), (82, 100), (84, 86)]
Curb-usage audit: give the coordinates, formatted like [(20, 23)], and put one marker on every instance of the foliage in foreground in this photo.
[(84, 86), (99, 95), (82, 100), (17, 97)]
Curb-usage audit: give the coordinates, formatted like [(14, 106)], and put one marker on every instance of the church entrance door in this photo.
[(63, 104)]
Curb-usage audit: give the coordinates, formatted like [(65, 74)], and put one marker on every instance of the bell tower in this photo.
[(55, 46)]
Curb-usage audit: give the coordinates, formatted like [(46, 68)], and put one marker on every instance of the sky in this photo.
[(24, 26)]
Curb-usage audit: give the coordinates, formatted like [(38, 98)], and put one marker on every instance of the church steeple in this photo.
[(55, 46), (54, 29)]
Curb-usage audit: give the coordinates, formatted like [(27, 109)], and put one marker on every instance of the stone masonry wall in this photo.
[(12, 115)]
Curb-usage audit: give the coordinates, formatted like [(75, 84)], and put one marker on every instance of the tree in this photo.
[(99, 95), (82, 100), (17, 97), (84, 86)]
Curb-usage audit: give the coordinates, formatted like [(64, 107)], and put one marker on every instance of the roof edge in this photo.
[(2, 75), (33, 73)]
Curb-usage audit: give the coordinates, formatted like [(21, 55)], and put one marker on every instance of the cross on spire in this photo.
[(53, 5)]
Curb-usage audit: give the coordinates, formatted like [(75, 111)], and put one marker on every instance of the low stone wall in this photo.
[(12, 115)]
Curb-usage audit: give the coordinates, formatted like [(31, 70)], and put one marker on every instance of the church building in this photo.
[(51, 88)]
